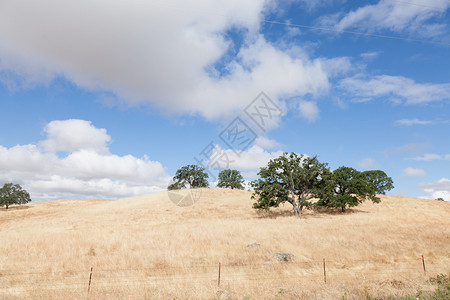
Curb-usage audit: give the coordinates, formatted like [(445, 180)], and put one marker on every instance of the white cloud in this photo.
[(72, 135), (368, 163), (88, 170), (314, 4), (96, 51), (439, 189), (397, 17), (410, 122), (251, 159), (430, 157), (309, 110), (395, 88), (370, 55), (266, 143), (411, 148), (337, 66), (413, 172)]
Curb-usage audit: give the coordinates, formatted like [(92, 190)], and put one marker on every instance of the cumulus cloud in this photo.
[(141, 50), (410, 122), (413, 172), (88, 170), (438, 189), (396, 16), (72, 135), (309, 110), (396, 88)]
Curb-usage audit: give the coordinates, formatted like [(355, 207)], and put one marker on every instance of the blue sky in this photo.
[(107, 99)]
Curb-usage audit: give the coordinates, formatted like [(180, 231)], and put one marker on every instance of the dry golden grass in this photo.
[(148, 248)]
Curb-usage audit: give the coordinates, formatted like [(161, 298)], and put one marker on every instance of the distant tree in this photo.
[(291, 178), (13, 194), (175, 186), (230, 179), (440, 199), (193, 175), (347, 187)]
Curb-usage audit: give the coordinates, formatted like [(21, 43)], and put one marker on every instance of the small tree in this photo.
[(193, 175), (13, 194), (347, 187), (289, 178), (230, 179)]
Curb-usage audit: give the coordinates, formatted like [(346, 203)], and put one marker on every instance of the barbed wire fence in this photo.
[(318, 271)]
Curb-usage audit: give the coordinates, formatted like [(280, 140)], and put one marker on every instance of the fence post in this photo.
[(90, 278), (324, 272), (218, 280), (424, 269)]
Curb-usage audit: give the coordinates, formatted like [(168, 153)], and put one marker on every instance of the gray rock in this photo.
[(284, 257), (254, 245)]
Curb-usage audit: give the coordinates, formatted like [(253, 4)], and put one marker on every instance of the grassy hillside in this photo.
[(147, 247)]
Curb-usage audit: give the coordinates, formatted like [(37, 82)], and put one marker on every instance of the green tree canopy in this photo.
[(230, 179), (347, 187), (380, 182), (13, 194), (193, 175), (291, 178)]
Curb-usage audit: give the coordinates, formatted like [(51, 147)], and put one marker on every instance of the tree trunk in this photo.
[(343, 208), (294, 205), (7, 205), (297, 209)]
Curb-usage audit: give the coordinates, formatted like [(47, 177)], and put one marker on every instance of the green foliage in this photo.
[(193, 175), (230, 179), (379, 180), (442, 291), (289, 178), (297, 179), (176, 186), (347, 187), (13, 194), (440, 280)]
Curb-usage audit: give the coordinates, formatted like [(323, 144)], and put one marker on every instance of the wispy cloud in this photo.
[(397, 16), (432, 156), (413, 172), (368, 163), (410, 122), (411, 148), (370, 55), (398, 89)]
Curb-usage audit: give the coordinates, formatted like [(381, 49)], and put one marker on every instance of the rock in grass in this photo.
[(284, 257)]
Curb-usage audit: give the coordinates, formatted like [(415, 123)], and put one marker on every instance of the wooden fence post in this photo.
[(90, 278), (218, 280), (423, 263), (324, 272)]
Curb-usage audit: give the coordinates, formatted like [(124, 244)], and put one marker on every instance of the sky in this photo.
[(107, 99)]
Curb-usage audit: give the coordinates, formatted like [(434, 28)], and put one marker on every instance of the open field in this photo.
[(147, 247)]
